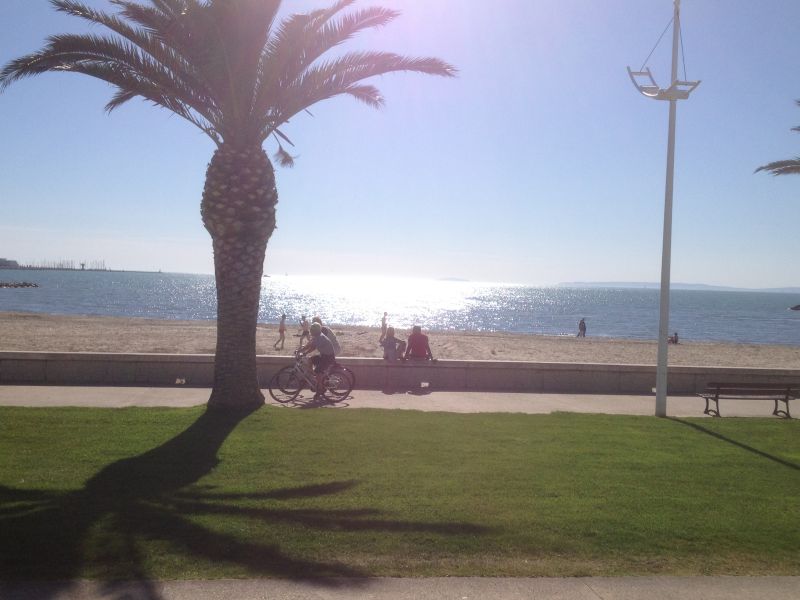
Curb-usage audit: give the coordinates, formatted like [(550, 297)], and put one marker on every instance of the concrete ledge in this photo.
[(77, 368)]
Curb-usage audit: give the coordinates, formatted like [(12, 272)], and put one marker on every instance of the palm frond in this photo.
[(241, 31), (368, 94), (124, 94), (154, 19), (782, 167), (130, 85), (336, 77), (122, 64), (222, 64), (302, 39), (142, 37), (283, 136), (283, 158)]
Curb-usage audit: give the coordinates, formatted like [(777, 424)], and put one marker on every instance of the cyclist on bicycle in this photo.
[(328, 333), (322, 361)]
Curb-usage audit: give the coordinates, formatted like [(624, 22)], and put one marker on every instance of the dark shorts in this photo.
[(320, 362)]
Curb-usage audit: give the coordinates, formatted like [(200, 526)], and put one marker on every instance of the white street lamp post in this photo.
[(678, 90)]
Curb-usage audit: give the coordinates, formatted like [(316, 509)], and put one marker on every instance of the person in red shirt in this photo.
[(418, 347)]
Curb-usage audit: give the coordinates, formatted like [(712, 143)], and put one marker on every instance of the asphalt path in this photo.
[(419, 399), (432, 588)]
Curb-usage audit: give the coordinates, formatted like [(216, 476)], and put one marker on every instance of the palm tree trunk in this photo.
[(238, 211)]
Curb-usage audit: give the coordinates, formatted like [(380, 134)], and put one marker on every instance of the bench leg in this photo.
[(711, 411), (780, 412)]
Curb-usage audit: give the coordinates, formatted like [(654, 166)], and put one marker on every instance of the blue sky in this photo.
[(539, 164)]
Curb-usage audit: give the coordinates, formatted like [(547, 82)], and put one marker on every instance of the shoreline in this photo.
[(23, 331)]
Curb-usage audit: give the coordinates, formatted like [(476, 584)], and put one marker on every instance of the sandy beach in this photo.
[(41, 332)]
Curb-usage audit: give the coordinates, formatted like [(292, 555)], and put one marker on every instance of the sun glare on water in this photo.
[(363, 300)]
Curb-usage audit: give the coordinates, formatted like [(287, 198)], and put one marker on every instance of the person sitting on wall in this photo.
[(393, 348), (418, 347)]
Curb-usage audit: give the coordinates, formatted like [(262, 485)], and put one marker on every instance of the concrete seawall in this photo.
[(196, 370)]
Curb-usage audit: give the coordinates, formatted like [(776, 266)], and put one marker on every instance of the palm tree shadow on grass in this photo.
[(45, 534)]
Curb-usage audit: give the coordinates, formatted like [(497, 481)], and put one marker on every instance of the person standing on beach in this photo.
[(418, 347), (304, 333), (383, 328), (582, 328), (281, 332)]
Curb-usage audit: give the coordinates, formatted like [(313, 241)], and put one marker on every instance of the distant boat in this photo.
[(795, 307)]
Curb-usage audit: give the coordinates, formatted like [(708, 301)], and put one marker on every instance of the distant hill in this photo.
[(675, 286)]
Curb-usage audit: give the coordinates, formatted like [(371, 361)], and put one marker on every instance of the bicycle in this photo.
[(288, 382), (350, 375)]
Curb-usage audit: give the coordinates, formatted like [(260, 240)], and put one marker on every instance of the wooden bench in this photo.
[(777, 392)]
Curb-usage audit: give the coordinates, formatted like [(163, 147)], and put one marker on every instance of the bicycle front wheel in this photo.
[(285, 385), (337, 384)]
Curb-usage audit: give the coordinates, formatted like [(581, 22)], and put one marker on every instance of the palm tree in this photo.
[(229, 68), (784, 167)]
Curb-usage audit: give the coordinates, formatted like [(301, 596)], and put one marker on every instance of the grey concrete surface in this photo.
[(110, 369), (419, 399), (101, 397), (448, 588)]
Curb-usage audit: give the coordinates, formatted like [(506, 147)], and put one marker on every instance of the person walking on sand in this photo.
[(383, 328), (418, 347), (304, 332), (281, 332), (582, 328)]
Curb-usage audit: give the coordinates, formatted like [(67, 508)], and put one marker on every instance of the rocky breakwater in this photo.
[(18, 284)]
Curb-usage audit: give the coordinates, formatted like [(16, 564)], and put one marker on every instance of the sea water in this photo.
[(697, 315)]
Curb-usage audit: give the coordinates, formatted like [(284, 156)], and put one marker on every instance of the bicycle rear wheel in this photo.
[(350, 375), (285, 385), (336, 383)]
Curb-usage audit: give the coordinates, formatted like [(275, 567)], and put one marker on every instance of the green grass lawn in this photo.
[(173, 493)]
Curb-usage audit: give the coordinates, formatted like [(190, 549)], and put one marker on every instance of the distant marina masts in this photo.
[(678, 90), (56, 265)]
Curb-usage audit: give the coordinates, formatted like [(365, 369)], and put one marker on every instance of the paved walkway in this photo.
[(451, 588), (462, 402), (433, 588)]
